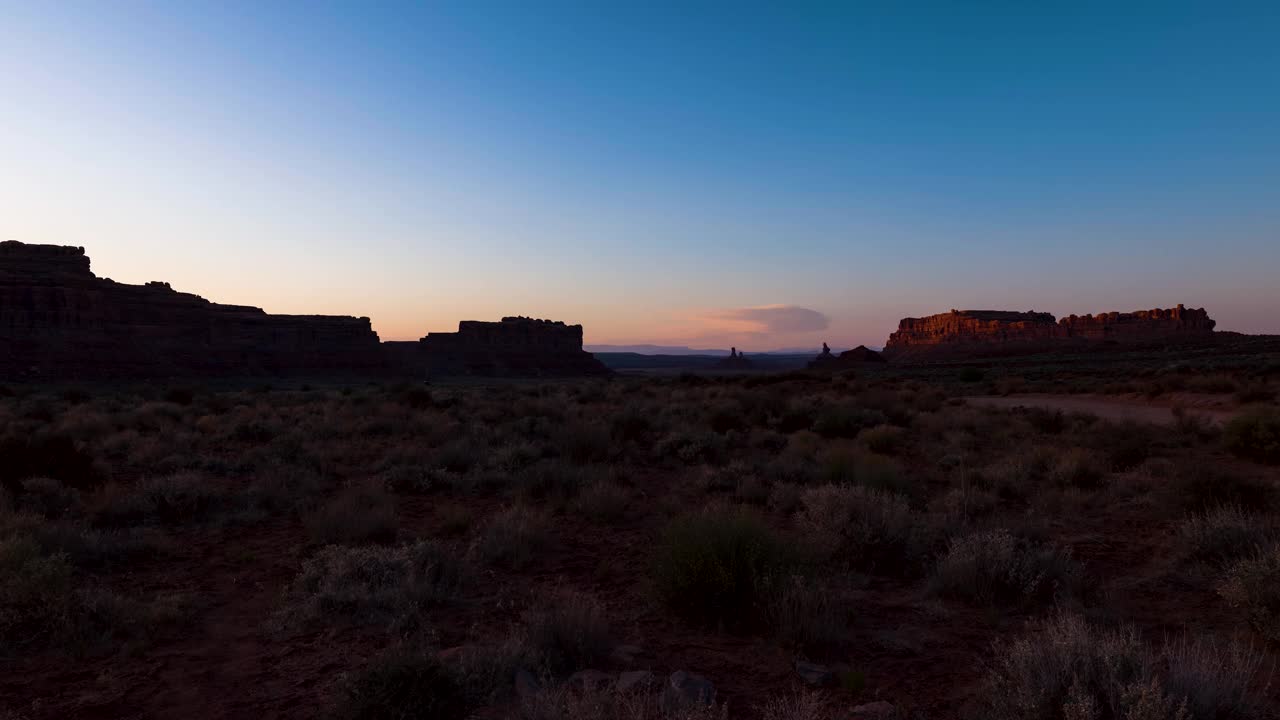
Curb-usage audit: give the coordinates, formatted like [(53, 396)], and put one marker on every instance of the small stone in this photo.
[(634, 680), (526, 684), (625, 654), (879, 710), (587, 680), (814, 674), (684, 689)]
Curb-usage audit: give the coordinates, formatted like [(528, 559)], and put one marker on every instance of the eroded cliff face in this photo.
[(58, 320), (975, 333), (516, 346)]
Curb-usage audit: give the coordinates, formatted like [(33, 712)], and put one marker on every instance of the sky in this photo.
[(703, 174)]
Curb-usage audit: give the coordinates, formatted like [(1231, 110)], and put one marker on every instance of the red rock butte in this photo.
[(516, 346), (977, 333), (60, 321)]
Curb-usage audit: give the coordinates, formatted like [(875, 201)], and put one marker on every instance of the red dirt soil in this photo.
[(1160, 411)]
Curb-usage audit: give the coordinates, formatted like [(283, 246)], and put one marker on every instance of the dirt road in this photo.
[(1115, 408)]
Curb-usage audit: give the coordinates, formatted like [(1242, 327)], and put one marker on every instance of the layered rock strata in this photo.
[(516, 346), (60, 321), (974, 333)]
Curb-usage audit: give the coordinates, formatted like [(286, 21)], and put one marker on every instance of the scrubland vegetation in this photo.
[(393, 550)]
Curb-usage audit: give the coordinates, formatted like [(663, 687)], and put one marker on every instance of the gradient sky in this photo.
[(701, 174)]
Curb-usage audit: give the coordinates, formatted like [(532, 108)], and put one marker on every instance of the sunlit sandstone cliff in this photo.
[(971, 333)]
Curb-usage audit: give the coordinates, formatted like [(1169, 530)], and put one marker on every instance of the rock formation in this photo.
[(861, 354), (975, 333), (517, 346), (849, 358), (58, 320), (735, 361)]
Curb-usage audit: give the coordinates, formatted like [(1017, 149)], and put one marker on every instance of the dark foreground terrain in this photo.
[(803, 544)]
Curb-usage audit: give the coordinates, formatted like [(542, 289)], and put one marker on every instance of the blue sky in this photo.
[(676, 173)]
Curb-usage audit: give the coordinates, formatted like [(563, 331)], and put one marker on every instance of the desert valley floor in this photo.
[(981, 541)]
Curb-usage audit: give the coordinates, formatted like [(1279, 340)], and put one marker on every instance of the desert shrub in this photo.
[(993, 566), (515, 457), (846, 420), (41, 606), (1215, 677), (1213, 384), (512, 537), (1014, 477), (866, 469), (81, 546), (883, 439), (803, 705), (789, 468), (417, 398), (693, 448), (1192, 426), (583, 442), (603, 501), (971, 375), (785, 498), (1124, 445), (402, 684), (804, 613), (1255, 434), (1077, 467), (1204, 485), (714, 567), (458, 456), (866, 528), (36, 597), (1223, 535), (413, 479), (630, 424), (49, 456), (563, 703), (170, 500), (796, 416), (357, 515), (725, 416), (280, 488), (253, 431), (1045, 422), (373, 585), (487, 671), (957, 507), (1252, 586), (184, 497), (751, 489), (1255, 392), (1068, 671), (48, 497), (570, 632), (556, 479)]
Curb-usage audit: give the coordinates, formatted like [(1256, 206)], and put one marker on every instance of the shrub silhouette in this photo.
[(1255, 434), (714, 567), (50, 456)]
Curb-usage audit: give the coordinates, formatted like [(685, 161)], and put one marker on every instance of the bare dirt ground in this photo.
[(1161, 411)]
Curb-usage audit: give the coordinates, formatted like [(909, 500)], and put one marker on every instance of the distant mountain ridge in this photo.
[(644, 349)]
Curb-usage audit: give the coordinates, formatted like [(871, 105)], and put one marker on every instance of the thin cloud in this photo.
[(770, 320)]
